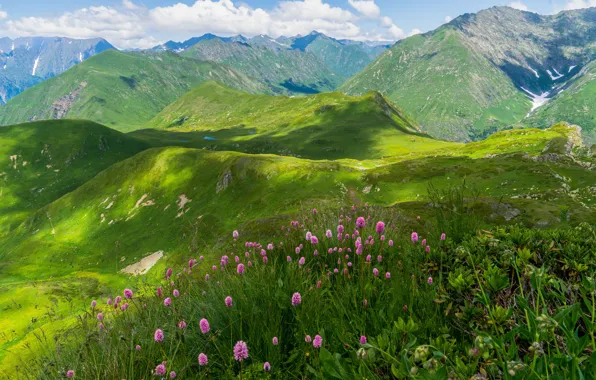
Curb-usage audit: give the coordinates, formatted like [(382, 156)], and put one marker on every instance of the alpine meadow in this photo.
[(297, 189)]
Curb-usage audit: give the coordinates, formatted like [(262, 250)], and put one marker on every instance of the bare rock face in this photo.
[(62, 105), (224, 181)]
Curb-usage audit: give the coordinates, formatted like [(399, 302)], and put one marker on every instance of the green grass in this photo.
[(113, 218), (322, 126), (451, 90), (510, 303), (120, 90), (43, 161)]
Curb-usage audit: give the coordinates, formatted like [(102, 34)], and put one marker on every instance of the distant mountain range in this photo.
[(486, 71), (27, 61)]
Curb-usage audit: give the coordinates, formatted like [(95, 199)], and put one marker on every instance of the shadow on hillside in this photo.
[(350, 131)]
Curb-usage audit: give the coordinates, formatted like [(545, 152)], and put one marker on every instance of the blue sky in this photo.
[(141, 23)]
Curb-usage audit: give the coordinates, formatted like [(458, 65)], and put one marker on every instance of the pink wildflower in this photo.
[(224, 260), (99, 316), (235, 234), (380, 228), (363, 339), (240, 351), (128, 293), (70, 374), (317, 342), (182, 324), (160, 370), (387, 275), (138, 347), (169, 273), (430, 280), (124, 307), (375, 272), (428, 249), (443, 236), (240, 269), (414, 237), (228, 301), (314, 240), (360, 222), (167, 301), (314, 211), (307, 339), (296, 299), (265, 259), (204, 325), (159, 292), (203, 359), (423, 242), (93, 303), (289, 259), (301, 261), (275, 341), (110, 301), (267, 367), (329, 234), (172, 375), (308, 235), (158, 336), (176, 293)]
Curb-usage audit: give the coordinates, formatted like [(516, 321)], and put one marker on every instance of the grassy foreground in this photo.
[(344, 295)]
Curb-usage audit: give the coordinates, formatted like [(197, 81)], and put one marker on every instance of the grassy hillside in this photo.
[(120, 90), (181, 201), (574, 104), (322, 126), (285, 71), (42, 161), (476, 74), (453, 92)]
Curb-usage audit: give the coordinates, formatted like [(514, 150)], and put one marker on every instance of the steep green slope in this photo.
[(180, 201), (454, 93), (478, 73), (120, 90), (322, 126), (42, 161), (574, 104), (285, 71)]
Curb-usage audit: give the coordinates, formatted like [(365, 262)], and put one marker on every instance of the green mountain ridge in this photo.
[(120, 90), (322, 126), (285, 71), (466, 79)]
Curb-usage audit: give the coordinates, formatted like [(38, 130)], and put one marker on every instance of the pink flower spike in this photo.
[(317, 342), (430, 280), (240, 351), (138, 348), (176, 293), (267, 367), (235, 234), (307, 339), (204, 325), (182, 325), (128, 293), (443, 236), (275, 341), (360, 222), (296, 299), (167, 301), (158, 336), (160, 370), (387, 275), (363, 339), (414, 237), (228, 301), (203, 359), (428, 249), (380, 228), (93, 303), (240, 269), (99, 316), (172, 375)]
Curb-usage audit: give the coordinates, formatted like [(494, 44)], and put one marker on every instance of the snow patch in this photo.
[(35, 65), (535, 72), (537, 100), (571, 68), (553, 77), (81, 57), (143, 266), (12, 47)]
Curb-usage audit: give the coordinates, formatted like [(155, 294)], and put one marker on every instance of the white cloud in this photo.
[(448, 18), (132, 25), (367, 8), (577, 4), (519, 5), (3, 14)]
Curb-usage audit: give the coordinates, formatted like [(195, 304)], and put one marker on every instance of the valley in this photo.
[(417, 209)]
